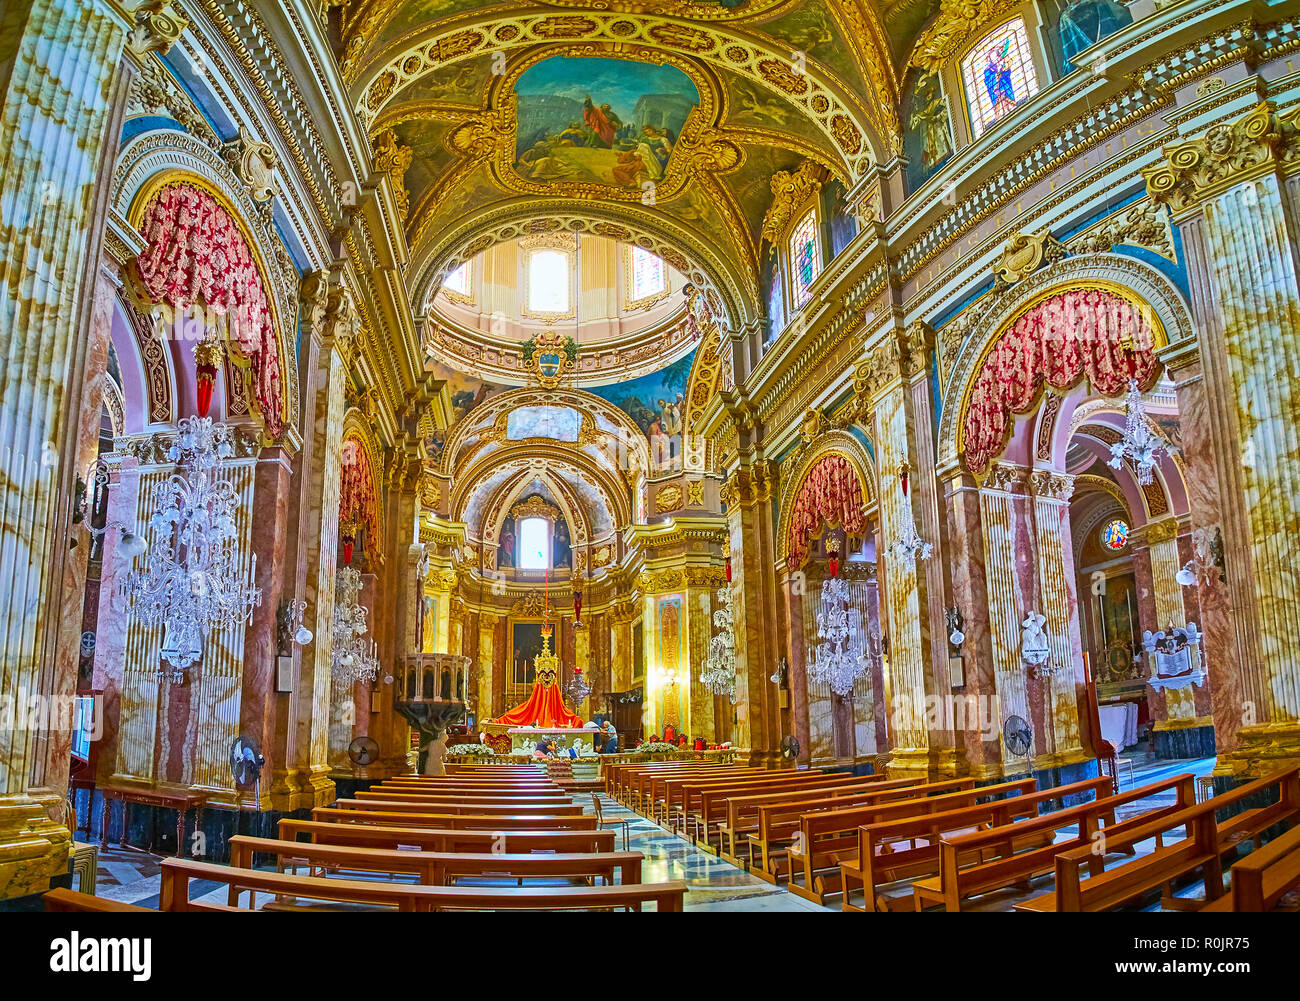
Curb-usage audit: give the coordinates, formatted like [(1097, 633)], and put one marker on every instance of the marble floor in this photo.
[(713, 884)]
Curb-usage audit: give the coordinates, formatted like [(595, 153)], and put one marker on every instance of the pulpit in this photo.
[(435, 688)]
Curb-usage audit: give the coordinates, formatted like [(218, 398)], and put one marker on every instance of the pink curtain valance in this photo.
[(357, 501), (830, 493), (1086, 331), (196, 254)]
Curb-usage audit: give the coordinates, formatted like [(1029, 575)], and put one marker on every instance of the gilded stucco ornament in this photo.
[(956, 24), (1024, 254), (157, 27), (253, 162), (790, 191), (1228, 153), (394, 159)]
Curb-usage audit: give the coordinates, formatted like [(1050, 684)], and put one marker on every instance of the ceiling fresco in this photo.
[(672, 115)]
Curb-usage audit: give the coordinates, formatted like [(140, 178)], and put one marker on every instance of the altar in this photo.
[(523, 739), (544, 711)]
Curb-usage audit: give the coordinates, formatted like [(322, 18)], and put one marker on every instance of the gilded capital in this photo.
[(882, 367), (1051, 485), (1228, 153), (1161, 531)]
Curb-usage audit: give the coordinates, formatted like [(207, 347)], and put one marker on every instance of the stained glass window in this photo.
[(534, 544), (458, 280), (805, 258), (1114, 535), (999, 74), (548, 281), (648, 274)]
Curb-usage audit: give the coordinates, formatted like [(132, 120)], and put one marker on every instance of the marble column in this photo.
[(883, 384), (1207, 464), (317, 539), (971, 589), (486, 660), (621, 654), (59, 126), (699, 617), (1062, 679), (1007, 563), (1241, 180), (794, 592), (747, 495)]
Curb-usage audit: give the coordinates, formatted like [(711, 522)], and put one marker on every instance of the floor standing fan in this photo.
[(1018, 737)]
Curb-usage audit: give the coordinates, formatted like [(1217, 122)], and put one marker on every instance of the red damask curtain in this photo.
[(197, 256), (1086, 331), (831, 492), (357, 501)]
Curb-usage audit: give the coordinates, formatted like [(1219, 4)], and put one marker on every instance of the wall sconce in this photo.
[(779, 676), (956, 666), (955, 636), (291, 629)]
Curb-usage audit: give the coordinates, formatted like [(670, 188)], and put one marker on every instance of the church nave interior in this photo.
[(701, 455)]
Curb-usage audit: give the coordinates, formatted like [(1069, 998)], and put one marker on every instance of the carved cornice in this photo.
[(1161, 531), (883, 366), (750, 485), (1051, 485), (1228, 153)]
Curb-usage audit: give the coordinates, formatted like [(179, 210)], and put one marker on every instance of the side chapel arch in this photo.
[(1151, 294)]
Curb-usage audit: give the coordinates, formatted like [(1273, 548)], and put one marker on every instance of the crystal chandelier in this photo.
[(355, 659), (191, 583), (909, 546), (840, 658), (1140, 445), (576, 688), (719, 672)]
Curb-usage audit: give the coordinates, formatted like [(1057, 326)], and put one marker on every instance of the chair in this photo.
[(1115, 763), (602, 823)]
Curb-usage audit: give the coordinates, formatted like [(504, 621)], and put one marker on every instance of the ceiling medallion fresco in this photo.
[(623, 137)]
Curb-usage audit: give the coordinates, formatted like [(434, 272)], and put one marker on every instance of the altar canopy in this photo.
[(545, 707)]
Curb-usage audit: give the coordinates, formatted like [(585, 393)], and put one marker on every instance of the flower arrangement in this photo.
[(657, 747), (470, 750)]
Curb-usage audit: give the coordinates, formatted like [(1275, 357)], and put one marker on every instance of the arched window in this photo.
[(534, 544), (805, 258), (549, 275), (458, 281), (998, 74), (649, 276)]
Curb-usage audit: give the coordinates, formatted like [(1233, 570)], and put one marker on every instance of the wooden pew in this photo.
[(735, 814), (778, 822), (649, 787), (632, 781), (435, 839), (468, 821), (619, 775), (615, 773), (540, 785), (70, 902), (672, 806), (435, 868), (177, 875), (828, 837), (986, 860), (880, 859), (1201, 850), (1264, 877), (494, 795), (485, 808)]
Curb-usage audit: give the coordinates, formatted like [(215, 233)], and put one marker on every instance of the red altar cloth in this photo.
[(545, 707)]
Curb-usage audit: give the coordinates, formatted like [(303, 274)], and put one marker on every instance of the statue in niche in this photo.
[(506, 551), (561, 547)]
